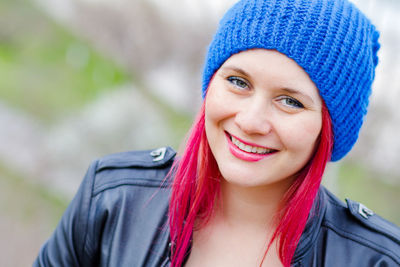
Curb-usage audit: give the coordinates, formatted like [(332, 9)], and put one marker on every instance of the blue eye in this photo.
[(238, 82), (291, 102)]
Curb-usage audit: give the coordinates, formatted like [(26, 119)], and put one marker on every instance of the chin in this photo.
[(243, 178)]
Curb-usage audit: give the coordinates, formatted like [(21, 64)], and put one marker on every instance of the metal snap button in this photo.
[(364, 211), (158, 154)]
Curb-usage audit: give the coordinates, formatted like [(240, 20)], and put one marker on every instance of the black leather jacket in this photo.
[(119, 218)]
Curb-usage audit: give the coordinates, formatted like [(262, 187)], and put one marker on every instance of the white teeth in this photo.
[(247, 148), (252, 149), (241, 146)]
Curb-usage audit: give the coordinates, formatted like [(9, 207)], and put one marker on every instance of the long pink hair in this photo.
[(196, 186)]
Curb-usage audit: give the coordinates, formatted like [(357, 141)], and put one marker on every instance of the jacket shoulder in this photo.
[(359, 225), (374, 222), (146, 168), (154, 158)]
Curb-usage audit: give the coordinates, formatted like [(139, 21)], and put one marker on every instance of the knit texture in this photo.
[(332, 40)]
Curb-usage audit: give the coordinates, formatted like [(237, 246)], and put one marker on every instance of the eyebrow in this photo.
[(236, 69), (286, 89)]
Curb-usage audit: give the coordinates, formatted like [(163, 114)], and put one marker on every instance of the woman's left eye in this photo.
[(238, 82), (291, 102)]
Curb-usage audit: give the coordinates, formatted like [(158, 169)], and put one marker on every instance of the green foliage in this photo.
[(27, 202), (45, 68), (360, 184)]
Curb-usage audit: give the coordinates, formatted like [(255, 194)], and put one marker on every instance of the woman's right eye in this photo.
[(238, 82)]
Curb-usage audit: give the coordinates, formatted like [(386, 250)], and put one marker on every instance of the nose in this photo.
[(255, 118)]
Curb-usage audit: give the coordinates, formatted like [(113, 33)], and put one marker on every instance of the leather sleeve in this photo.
[(68, 244), (118, 216)]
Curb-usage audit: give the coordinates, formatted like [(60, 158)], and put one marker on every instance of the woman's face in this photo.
[(262, 118)]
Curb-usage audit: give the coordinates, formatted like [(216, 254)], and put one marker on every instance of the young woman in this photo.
[(286, 87)]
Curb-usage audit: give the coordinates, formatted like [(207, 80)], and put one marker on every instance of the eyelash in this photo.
[(235, 80), (295, 103)]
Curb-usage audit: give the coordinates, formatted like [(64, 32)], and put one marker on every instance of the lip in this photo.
[(243, 155), (244, 142)]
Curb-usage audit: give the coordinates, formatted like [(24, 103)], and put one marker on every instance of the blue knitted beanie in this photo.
[(330, 39)]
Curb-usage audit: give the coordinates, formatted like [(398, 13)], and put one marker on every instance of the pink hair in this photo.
[(196, 186)]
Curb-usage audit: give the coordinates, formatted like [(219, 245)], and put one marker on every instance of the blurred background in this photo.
[(83, 78)]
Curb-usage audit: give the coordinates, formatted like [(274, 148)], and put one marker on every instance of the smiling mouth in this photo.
[(250, 148)]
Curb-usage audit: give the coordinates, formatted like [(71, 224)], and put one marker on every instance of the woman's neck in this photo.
[(240, 228), (250, 206)]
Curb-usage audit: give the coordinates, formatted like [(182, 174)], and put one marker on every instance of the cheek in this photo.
[(218, 106), (303, 133), (213, 115)]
